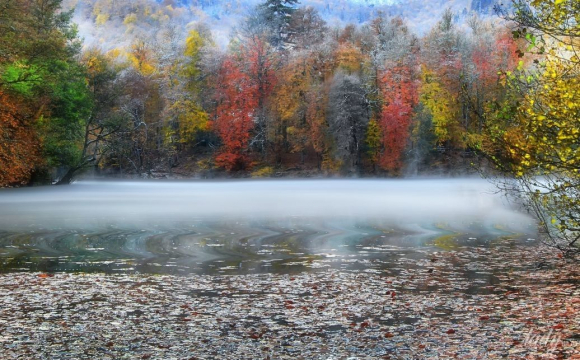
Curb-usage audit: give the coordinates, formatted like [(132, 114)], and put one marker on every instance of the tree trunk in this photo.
[(68, 177)]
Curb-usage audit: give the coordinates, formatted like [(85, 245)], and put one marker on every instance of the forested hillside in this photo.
[(148, 89), (144, 16)]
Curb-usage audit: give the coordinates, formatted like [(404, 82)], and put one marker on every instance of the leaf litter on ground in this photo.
[(511, 302)]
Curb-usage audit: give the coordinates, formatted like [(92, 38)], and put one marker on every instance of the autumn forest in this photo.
[(288, 92), (283, 179)]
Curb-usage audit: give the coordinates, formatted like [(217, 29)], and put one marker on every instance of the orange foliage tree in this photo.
[(19, 145)]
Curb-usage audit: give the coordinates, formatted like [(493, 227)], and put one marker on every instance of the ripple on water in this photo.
[(252, 227)]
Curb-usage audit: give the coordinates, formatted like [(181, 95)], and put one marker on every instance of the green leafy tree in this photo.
[(38, 63), (373, 142), (101, 119)]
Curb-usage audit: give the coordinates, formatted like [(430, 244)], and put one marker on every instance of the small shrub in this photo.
[(267, 171)]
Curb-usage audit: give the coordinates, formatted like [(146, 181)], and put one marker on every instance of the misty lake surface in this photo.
[(251, 226)]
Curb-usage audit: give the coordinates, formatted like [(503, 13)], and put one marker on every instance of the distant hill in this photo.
[(112, 24)]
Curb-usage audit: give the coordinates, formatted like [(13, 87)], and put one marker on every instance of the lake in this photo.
[(287, 269), (250, 226)]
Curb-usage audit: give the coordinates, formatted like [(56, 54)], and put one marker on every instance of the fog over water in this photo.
[(85, 204), (249, 226)]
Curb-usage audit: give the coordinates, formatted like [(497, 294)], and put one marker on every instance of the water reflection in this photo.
[(249, 227), (236, 247)]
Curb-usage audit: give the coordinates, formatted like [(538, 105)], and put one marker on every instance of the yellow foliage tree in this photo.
[(373, 142), (442, 107), (190, 70), (189, 117), (538, 127), (102, 19), (141, 58), (130, 19)]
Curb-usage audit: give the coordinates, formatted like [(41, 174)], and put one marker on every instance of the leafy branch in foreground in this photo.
[(537, 127)]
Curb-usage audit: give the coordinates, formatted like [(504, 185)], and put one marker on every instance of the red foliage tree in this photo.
[(400, 95), (245, 81), (234, 115), (395, 121), (260, 66), (259, 61), (490, 58), (505, 52)]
